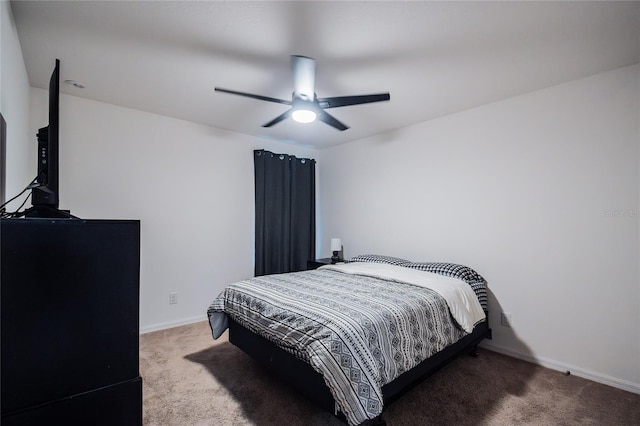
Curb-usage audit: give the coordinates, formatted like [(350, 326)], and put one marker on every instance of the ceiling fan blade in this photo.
[(341, 101), (278, 119), (304, 77), (251, 95), (331, 120)]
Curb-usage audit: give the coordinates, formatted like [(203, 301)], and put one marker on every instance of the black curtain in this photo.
[(285, 212)]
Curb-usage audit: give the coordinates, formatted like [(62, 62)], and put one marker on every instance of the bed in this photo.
[(355, 336)]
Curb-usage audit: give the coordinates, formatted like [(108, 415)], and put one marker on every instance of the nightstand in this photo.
[(315, 264)]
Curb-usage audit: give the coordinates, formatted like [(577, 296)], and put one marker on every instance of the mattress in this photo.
[(359, 330)]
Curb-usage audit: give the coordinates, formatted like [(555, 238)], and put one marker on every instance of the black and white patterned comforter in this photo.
[(360, 332)]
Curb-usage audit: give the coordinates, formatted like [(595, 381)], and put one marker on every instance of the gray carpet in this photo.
[(190, 379)]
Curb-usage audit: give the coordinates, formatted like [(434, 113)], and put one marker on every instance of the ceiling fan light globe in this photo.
[(303, 115)]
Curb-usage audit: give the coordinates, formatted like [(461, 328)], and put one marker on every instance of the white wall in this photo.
[(14, 105), (192, 187), (538, 193)]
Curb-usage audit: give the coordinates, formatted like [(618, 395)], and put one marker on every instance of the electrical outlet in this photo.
[(173, 298), (505, 319)]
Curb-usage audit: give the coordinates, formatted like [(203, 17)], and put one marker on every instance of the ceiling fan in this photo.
[(305, 105)]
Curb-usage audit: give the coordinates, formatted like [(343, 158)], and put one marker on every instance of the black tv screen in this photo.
[(46, 193)]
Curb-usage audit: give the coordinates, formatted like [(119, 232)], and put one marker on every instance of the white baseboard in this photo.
[(545, 362), (171, 324), (560, 366)]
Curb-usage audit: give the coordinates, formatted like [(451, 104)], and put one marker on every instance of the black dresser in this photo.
[(69, 292)]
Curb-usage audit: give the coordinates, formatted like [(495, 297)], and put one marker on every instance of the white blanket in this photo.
[(462, 301)]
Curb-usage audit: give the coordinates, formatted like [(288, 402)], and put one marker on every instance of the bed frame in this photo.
[(310, 383)]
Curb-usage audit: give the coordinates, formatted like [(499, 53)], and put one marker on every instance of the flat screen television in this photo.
[(44, 193)]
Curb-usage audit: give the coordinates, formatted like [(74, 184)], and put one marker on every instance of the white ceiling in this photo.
[(435, 58)]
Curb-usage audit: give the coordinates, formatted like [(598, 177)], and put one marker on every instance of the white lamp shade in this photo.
[(336, 244)]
